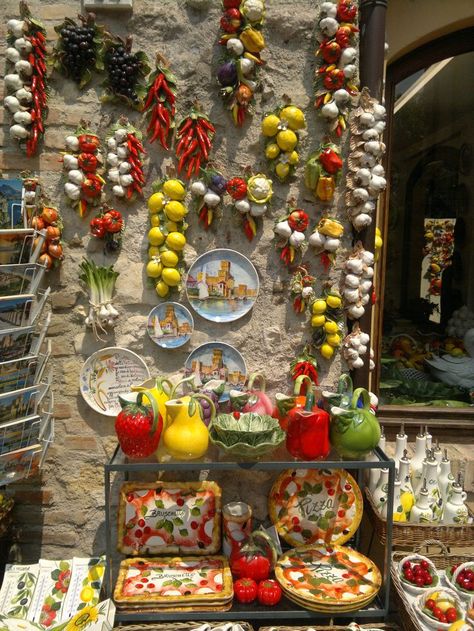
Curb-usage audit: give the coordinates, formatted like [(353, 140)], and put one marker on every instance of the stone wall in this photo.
[(61, 513)]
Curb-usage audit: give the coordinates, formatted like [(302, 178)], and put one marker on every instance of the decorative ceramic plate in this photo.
[(315, 506), (222, 285), (169, 518), (330, 576), (217, 360), (170, 325), (107, 374), (165, 581)]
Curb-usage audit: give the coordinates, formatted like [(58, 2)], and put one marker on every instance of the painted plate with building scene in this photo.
[(217, 360), (222, 285), (315, 506), (170, 325)]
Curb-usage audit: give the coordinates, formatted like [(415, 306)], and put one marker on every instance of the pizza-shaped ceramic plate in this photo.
[(328, 577), (169, 518), (181, 581), (315, 506)]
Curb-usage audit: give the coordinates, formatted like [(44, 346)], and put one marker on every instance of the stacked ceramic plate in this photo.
[(175, 584), (328, 579)]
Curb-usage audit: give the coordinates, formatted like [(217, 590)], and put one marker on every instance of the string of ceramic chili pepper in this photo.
[(160, 104), (28, 104), (193, 143)]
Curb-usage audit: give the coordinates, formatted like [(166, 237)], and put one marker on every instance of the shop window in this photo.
[(427, 324)]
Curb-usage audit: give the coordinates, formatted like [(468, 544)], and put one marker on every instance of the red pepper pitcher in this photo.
[(307, 436)]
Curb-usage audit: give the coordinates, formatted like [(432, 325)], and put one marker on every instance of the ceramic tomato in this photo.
[(346, 11), (230, 21), (298, 220), (245, 590), (97, 227), (112, 221), (88, 143), (92, 186), (269, 593), (87, 162), (330, 52), (237, 188)]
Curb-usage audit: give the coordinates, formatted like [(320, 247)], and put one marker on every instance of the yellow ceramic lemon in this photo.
[(282, 170), (331, 327), (272, 150), (294, 117), (155, 202), (293, 158), (162, 289), (155, 236), (174, 189), (171, 276), (327, 351), (333, 301), (176, 241), (154, 268), (317, 321), (153, 250), (155, 221), (318, 307), (169, 258), (270, 125), (175, 211), (334, 339), (287, 139), (171, 226)]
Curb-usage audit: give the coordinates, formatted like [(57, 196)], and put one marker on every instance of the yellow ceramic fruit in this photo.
[(154, 268), (155, 221), (155, 202), (444, 604), (175, 211), (174, 189), (186, 436), (171, 276), (171, 226), (460, 625), (333, 339), (155, 236), (86, 594), (331, 327), (162, 289), (457, 352), (407, 501), (270, 125), (252, 40), (293, 158), (272, 150), (399, 516), (176, 241), (333, 301), (327, 351), (169, 258), (294, 117), (287, 140), (153, 250), (95, 572), (318, 306), (317, 321), (282, 170)]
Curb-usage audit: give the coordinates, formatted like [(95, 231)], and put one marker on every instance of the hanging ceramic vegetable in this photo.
[(100, 282), (305, 364), (160, 104), (290, 232), (323, 169), (281, 128), (243, 41), (357, 282), (327, 323), (41, 215), (336, 73), (326, 238), (78, 50), (355, 347), (126, 72), (25, 80), (250, 198), (366, 178), (194, 142), (109, 226), (208, 193), (166, 236), (83, 164), (124, 159), (302, 288)]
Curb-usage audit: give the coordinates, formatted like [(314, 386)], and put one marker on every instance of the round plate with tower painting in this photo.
[(216, 360), (222, 285), (170, 325)]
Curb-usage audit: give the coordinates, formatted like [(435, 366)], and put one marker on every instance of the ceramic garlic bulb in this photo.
[(445, 477), (455, 510), (417, 460), (421, 511)]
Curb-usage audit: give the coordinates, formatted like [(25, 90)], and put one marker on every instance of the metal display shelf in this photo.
[(285, 610)]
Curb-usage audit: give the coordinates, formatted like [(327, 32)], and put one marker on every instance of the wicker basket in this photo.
[(442, 559), (179, 626), (409, 535), (374, 625)]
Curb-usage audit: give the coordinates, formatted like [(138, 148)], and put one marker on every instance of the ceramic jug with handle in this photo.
[(398, 510), (186, 436), (421, 512), (381, 493), (445, 477), (455, 509), (434, 494)]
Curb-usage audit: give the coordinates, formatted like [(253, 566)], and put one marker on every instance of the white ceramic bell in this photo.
[(381, 492), (401, 440), (434, 493), (421, 511), (445, 477), (417, 460), (455, 510)]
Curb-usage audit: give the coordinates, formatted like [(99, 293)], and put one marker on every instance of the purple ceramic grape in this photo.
[(218, 183)]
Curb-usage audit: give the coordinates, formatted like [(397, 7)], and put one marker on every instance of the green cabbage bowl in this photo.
[(250, 436)]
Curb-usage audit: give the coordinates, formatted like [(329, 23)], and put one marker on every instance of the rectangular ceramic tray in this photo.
[(169, 518), (174, 582), (24, 278)]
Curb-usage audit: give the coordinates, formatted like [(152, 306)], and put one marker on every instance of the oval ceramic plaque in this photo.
[(328, 577), (315, 506), (170, 325), (222, 285), (109, 373)]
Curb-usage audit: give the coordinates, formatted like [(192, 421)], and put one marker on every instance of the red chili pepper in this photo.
[(185, 126), (191, 148), (197, 166), (209, 126), (190, 167)]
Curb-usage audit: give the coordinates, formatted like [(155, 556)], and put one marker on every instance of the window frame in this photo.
[(450, 45)]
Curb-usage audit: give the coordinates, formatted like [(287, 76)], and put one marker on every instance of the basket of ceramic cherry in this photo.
[(417, 574), (439, 608), (460, 578)]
